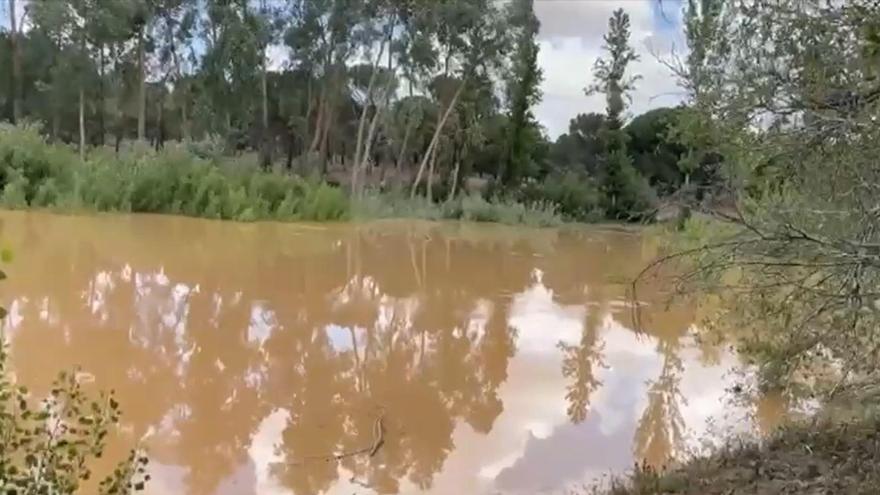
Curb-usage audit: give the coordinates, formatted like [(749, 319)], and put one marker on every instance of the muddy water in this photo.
[(492, 359)]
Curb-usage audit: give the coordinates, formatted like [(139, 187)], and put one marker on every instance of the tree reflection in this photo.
[(580, 364), (327, 331), (660, 435)]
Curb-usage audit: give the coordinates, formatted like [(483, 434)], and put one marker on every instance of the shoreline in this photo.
[(812, 457)]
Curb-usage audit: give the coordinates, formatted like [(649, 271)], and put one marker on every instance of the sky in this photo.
[(571, 40)]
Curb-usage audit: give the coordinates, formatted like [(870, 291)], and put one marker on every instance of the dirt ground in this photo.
[(808, 459)]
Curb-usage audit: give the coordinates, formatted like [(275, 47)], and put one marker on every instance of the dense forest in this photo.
[(421, 97)]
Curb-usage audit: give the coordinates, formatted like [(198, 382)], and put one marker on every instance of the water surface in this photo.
[(500, 360)]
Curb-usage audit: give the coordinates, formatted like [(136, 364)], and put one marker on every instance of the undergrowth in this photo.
[(35, 174), (818, 456), (468, 208), (177, 180)]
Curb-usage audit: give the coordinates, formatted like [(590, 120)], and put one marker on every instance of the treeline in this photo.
[(424, 96)]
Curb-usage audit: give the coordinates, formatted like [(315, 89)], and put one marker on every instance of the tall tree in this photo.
[(15, 74), (622, 184), (609, 72), (470, 38), (523, 88), (141, 18), (698, 76)]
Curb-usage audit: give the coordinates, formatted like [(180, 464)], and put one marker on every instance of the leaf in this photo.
[(6, 255)]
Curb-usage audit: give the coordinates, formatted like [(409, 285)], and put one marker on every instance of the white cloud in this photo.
[(571, 40)]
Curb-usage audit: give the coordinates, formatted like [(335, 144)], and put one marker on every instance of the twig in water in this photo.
[(378, 442)]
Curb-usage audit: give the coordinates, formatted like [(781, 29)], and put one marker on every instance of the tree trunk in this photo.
[(291, 141), (15, 75), (358, 156), (102, 129), (403, 147), (82, 122), (117, 110), (436, 136), (319, 120), (184, 115), (402, 155), (309, 109), (452, 189), (142, 87), (325, 142), (265, 152), (82, 104), (430, 186), (371, 133), (160, 123)]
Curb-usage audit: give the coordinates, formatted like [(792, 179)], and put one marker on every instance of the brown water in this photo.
[(500, 360)]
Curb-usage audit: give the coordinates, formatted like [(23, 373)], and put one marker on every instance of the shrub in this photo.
[(507, 211), (574, 195), (374, 205), (34, 173)]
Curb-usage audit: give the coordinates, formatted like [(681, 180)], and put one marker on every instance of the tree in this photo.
[(699, 77), (580, 149), (15, 74), (610, 73), (64, 25), (523, 89), (655, 151), (623, 185), (793, 102), (470, 37)]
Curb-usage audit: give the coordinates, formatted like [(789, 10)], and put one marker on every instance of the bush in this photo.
[(574, 195), (471, 208), (373, 205), (539, 214), (34, 173)]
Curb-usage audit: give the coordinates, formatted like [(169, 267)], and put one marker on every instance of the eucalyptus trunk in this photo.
[(436, 137), (142, 87), (15, 74)]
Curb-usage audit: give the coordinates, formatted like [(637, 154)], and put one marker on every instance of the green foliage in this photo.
[(477, 209), (395, 205), (523, 90), (38, 174), (793, 269), (471, 208), (628, 195), (655, 152), (575, 195), (580, 148), (610, 72)]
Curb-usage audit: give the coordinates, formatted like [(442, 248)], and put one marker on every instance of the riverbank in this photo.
[(808, 458), (39, 175)]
